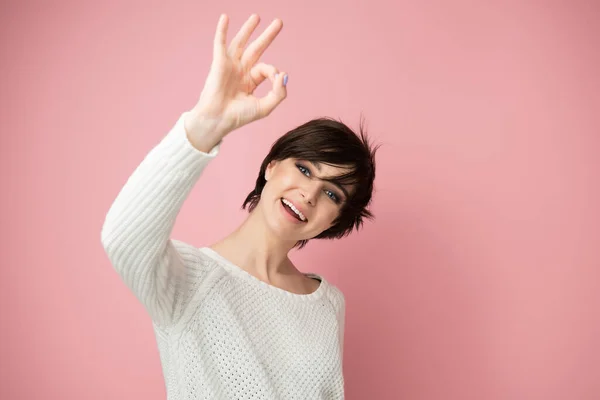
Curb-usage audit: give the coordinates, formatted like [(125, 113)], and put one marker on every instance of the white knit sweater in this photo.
[(221, 332)]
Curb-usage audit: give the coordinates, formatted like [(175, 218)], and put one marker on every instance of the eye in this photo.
[(332, 196), (303, 169)]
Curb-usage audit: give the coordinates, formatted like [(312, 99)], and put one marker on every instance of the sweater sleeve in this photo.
[(338, 301), (137, 228), (341, 316)]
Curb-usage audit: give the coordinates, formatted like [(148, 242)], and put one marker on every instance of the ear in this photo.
[(269, 170)]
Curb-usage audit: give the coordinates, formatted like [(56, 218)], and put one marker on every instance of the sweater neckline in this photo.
[(242, 273)]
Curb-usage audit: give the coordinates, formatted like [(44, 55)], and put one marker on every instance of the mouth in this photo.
[(293, 211)]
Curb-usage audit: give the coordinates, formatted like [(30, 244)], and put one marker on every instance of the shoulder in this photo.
[(186, 250), (336, 298), (192, 256), (311, 284)]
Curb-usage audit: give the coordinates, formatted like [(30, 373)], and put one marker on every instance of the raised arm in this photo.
[(136, 233)]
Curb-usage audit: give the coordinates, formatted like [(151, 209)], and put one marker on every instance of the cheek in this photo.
[(334, 215), (327, 215), (281, 182), (276, 187), (286, 179)]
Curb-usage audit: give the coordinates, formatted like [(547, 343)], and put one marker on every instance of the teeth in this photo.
[(290, 205)]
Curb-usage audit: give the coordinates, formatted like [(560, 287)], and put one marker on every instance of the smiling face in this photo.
[(297, 202)]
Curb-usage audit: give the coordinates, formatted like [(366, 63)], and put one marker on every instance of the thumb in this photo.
[(279, 92)]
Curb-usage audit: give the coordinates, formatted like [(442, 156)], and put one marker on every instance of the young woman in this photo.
[(237, 319)]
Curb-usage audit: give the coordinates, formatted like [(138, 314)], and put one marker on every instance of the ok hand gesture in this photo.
[(227, 101)]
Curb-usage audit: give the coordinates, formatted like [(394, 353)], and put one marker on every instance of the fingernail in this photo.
[(276, 75), (285, 79)]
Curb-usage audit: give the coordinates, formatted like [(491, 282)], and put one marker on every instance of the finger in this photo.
[(258, 47), (262, 71), (236, 47), (269, 102), (220, 42)]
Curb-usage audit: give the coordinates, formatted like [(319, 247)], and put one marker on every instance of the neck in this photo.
[(253, 247)]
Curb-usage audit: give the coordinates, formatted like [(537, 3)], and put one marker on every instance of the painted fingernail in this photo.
[(285, 79)]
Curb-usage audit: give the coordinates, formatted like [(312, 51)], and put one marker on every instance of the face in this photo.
[(296, 202)]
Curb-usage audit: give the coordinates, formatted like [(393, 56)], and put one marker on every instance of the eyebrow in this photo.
[(333, 181)]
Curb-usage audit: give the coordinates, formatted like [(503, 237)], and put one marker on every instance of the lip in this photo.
[(301, 209)]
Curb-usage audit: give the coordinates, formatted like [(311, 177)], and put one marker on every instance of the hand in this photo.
[(226, 102)]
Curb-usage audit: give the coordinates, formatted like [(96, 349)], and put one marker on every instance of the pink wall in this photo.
[(480, 278)]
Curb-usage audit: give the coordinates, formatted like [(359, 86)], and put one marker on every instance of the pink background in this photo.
[(480, 277)]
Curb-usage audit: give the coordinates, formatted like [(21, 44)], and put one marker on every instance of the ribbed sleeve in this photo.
[(136, 231)]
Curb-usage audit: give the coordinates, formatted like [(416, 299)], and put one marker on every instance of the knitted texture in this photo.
[(221, 332)]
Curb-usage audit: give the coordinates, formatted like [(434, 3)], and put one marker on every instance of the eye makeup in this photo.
[(331, 194)]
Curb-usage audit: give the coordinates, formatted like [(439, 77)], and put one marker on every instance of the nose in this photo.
[(310, 192)]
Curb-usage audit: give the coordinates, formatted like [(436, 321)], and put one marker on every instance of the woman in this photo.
[(237, 320)]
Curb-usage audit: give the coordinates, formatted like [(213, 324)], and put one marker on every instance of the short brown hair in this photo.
[(327, 141)]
